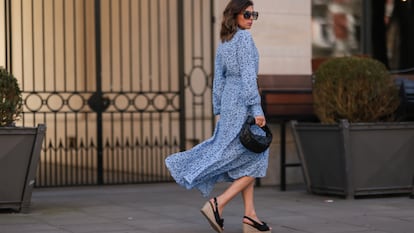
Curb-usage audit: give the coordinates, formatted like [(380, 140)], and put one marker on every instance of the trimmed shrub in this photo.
[(10, 99), (358, 89)]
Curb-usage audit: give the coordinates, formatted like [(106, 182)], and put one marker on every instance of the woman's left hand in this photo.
[(260, 121)]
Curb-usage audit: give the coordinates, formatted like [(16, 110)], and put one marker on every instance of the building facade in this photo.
[(121, 84)]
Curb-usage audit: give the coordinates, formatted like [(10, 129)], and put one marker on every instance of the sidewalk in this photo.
[(168, 208)]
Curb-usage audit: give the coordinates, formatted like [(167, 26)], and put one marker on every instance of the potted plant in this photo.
[(358, 148), (20, 148)]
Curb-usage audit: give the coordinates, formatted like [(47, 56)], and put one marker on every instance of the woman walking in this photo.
[(222, 158)]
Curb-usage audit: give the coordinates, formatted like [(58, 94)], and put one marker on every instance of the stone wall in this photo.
[(282, 34)]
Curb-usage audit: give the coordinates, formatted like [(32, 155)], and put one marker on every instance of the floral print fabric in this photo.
[(235, 96)]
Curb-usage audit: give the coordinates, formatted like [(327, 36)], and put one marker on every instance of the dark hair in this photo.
[(229, 23)]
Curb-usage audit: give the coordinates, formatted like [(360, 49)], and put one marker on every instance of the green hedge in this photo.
[(359, 89)]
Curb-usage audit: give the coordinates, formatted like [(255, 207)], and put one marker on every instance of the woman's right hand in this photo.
[(260, 121)]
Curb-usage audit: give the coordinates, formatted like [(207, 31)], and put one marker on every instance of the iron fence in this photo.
[(120, 84)]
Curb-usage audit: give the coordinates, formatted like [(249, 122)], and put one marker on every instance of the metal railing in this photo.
[(120, 84)]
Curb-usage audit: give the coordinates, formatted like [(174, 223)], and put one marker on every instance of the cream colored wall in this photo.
[(283, 37), (2, 36), (282, 34)]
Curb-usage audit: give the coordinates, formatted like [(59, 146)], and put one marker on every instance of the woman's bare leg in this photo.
[(249, 210), (244, 185), (235, 188), (248, 198)]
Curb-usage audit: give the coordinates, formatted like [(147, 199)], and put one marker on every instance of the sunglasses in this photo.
[(249, 14)]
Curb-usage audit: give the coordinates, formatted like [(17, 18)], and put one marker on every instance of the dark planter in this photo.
[(19, 157), (356, 159)]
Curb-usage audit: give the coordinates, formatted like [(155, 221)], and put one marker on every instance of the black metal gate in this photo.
[(120, 84)]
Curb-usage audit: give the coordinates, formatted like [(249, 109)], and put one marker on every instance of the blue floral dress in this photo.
[(235, 96)]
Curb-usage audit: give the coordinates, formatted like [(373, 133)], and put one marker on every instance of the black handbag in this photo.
[(254, 142)]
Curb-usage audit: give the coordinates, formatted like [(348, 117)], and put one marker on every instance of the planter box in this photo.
[(356, 159), (19, 156)]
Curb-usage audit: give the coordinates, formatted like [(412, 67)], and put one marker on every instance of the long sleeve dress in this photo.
[(222, 157)]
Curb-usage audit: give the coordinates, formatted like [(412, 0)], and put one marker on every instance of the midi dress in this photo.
[(222, 158)]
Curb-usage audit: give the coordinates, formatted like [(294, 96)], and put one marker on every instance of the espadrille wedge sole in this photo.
[(255, 227), (213, 216)]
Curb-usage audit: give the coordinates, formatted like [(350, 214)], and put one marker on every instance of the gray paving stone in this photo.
[(168, 208)]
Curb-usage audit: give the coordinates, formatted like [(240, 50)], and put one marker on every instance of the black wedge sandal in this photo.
[(255, 227), (213, 215)]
